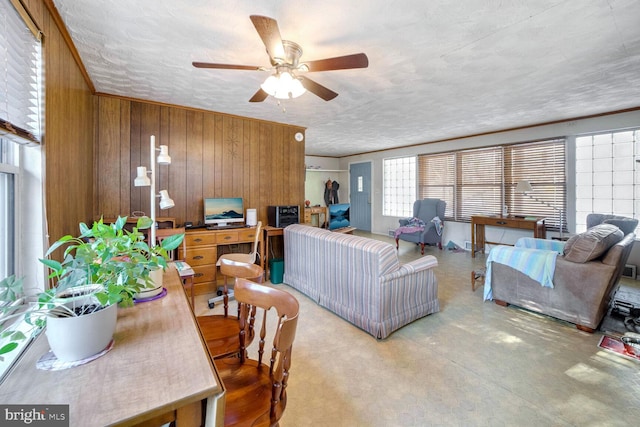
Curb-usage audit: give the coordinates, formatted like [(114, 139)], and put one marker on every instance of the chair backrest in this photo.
[(254, 252), (163, 233), (231, 268), (427, 209), (250, 296), (626, 224)]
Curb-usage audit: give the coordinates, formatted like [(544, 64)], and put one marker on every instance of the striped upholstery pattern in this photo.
[(359, 279)]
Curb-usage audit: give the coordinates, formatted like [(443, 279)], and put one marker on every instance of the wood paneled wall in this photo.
[(68, 130), (212, 155)]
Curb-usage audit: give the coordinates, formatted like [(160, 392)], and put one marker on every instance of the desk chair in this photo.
[(249, 258), (256, 392), (185, 275), (220, 332)]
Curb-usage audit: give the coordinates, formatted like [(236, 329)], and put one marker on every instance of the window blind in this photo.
[(482, 181), (19, 75), (543, 165), (480, 178), (437, 180)]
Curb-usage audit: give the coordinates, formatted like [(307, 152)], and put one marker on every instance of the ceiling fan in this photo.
[(286, 81)]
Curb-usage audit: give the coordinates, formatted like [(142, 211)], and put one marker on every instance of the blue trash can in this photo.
[(276, 270)]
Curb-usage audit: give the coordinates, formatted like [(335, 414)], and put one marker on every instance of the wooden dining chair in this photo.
[(256, 391), (220, 332), (163, 233)]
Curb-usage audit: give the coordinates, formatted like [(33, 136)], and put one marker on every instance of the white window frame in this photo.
[(11, 167)]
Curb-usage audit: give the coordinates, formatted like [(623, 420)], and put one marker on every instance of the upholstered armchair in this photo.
[(573, 282), (431, 213)]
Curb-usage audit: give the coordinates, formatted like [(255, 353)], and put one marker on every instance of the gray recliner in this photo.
[(426, 210)]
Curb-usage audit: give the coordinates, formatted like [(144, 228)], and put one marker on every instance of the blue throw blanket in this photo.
[(547, 245), (535, 263)]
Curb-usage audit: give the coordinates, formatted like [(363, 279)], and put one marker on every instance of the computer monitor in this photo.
[(339, 216), (223, 210)]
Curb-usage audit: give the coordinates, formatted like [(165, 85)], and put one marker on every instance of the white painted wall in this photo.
[(316, 179), (460, 232)]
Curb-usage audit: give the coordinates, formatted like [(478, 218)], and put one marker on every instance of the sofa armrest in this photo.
[(424, 263)]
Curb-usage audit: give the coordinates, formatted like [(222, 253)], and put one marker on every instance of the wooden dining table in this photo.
[(158, 371)]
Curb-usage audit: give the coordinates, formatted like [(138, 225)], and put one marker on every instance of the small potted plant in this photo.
[(104, 266)]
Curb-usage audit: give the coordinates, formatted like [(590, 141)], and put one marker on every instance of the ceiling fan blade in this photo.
[(268, 31), (317, 89), (225, 66), (259, 96), (357, 60)]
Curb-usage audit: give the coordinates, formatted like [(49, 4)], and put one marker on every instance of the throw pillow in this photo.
[(591, 244)]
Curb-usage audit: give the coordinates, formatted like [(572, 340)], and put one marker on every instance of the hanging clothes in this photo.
[(334, 192), (331, 192), (327, 193)]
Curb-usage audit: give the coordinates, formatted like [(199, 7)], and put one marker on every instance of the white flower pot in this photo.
[(76, 338), (156, 277)]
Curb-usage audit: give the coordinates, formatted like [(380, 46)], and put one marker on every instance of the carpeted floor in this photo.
[(472, 364)]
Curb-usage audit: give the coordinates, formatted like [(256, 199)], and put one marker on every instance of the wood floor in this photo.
[(472, 364)]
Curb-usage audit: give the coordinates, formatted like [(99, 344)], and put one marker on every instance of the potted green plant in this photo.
[(104, 266)]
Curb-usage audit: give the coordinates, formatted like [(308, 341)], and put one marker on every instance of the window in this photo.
[(20, 167), (482, 181), (399, 191), (606, 177), (20, 111)]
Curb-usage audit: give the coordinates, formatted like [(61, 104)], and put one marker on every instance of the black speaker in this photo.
[(281, 216)]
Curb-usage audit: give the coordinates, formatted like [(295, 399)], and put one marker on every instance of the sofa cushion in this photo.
[(591, 244)]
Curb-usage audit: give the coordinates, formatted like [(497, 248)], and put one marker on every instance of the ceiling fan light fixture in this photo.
[(283, 85)]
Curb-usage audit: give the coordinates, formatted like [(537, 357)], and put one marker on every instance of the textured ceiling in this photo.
[(437, 69)]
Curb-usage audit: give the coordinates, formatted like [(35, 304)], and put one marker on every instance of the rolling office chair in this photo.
[(249, 258)]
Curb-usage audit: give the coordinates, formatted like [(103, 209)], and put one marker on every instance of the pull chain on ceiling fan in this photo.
[(284, 55)]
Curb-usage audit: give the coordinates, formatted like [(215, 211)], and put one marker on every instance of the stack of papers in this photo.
[(183, 268)]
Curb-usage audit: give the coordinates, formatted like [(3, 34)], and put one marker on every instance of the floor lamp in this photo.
[(525, 188), (146, 178)]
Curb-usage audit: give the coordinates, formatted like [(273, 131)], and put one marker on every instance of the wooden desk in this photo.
[(478, 223), (317, 212), (345, 230), (159, 369), (202, 253), (269, 232)]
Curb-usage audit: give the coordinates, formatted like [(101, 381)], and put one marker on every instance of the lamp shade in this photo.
[(163, 157), (283, 86), (142, 180), (166, 202), (524, 187)]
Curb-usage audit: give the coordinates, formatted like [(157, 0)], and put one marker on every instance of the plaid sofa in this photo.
[(359, 279)]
